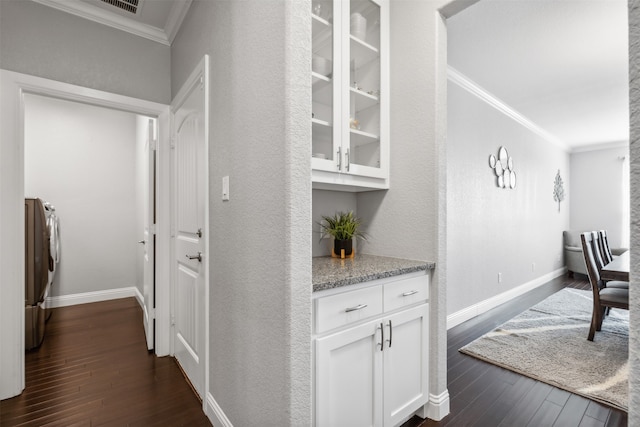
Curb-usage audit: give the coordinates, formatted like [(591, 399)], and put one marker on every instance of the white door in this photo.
[(349, 377), (406, 366), (149, 242), (189, 227)]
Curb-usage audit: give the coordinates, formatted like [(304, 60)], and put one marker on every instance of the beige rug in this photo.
[(549, 343)]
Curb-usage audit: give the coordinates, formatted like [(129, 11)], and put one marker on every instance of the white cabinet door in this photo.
[(350, 121), (349, 377), (406, 355)]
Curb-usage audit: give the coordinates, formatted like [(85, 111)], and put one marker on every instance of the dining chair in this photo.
[(606, 250), (603, 297), (596, 245)]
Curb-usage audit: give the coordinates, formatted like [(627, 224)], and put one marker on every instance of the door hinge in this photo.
[(154, 144), (173, 320), (152, 313), (173, 142), (152, 229)]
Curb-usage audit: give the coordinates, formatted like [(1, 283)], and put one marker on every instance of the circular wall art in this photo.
[(503, 168)]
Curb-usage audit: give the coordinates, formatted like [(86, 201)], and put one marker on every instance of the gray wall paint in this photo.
[(44, 42), (491, 230), (597, 192), (634, 101), (81, 158), (261, 239)]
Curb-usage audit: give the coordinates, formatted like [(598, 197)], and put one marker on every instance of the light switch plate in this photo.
[(225, 187)]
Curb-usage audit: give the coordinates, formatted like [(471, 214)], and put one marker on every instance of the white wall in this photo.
[(515, 232), (82, 159), (260, 288), (597, 198), (42, 41)]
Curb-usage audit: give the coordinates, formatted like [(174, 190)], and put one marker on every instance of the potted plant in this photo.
[(343, 227)]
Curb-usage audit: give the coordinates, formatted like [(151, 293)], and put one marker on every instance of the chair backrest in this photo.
[(597, 251), (592, 269), (606, 250)]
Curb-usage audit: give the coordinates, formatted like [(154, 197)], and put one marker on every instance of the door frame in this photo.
[(14, 86), (199, 76)]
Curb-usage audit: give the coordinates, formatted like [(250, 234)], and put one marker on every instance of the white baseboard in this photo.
[(96, 296), (483, 306), (214, 412), (438, 406)]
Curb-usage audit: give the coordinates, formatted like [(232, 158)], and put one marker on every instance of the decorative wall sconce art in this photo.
[(558, 189), (503, 168)]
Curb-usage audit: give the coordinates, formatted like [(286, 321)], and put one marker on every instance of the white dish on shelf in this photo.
[(321, 65)]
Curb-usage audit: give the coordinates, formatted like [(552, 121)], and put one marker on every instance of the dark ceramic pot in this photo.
[(339, 245)]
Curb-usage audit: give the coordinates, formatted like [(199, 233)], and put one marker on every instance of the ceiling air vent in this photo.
[(128, 5)]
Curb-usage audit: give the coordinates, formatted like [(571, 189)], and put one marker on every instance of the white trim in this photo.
[(95, 296), (600, 146), (473, 88), (84, 10), (438, 406), (214, 412), (140, 298), (476, 309)]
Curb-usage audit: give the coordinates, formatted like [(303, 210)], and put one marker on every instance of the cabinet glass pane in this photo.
[(322, 79), (364, 83)]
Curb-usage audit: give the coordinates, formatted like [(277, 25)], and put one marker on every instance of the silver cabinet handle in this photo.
[(339, 158), (198, 257), (348, 159), (406, 294), (390, 333), (357, 307), (142, 241), (381, 337)]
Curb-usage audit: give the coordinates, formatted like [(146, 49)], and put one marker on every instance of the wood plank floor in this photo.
[(485, 395), (93, 369)]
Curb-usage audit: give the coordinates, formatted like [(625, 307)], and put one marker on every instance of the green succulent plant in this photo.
[(342, 226)]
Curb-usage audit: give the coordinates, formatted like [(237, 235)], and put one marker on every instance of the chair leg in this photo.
[(602, 312), (592, 328)]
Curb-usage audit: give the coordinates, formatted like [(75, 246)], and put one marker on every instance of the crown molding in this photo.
[(601, 146), (84, 10), (472, 87), (176, 16)]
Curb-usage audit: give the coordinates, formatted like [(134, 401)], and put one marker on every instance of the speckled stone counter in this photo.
[(329, 273)]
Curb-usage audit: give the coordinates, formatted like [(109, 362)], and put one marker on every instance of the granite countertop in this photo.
[(329, 273)]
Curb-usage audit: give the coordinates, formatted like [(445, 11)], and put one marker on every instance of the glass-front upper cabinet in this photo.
[(350, 122)]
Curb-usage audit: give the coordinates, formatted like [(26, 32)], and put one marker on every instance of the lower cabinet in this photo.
[(374, 372)]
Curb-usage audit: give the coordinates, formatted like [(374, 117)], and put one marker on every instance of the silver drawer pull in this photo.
[(357, 307), (406, 294)]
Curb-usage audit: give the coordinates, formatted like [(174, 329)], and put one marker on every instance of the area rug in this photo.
[(549, 343)]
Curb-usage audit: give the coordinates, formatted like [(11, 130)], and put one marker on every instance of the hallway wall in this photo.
[(81, 158)]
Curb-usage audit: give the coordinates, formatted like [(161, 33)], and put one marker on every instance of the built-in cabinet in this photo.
[(350, 117), (371, 352)]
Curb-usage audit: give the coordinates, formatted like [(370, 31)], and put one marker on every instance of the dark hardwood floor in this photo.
[(93, 369), (485, 395)]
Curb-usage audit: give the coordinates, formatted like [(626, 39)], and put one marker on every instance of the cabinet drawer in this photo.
[(406, 292), (340, 310)]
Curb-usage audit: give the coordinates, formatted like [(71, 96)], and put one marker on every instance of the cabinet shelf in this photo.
[(362, 52), (359, 137), (319, 78), (363, 99)]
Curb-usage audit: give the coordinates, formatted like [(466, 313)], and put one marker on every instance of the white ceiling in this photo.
[(157, 20), (562, 64)]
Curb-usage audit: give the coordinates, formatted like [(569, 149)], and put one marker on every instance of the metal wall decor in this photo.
[(558, 189), (503, 168)]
